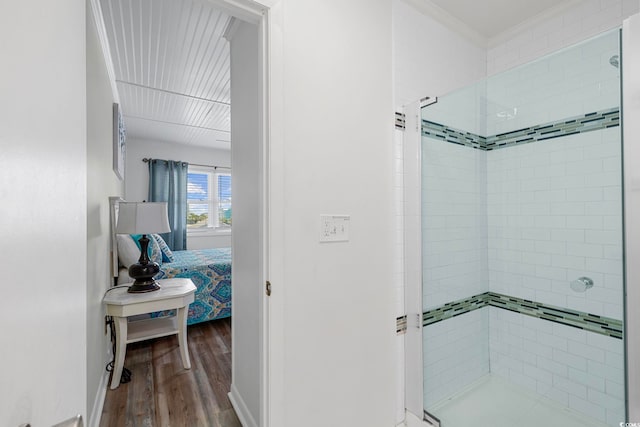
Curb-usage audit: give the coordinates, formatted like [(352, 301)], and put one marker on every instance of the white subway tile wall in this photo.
[(456, 354), (398, 266), (454, 222), (572, 82), (463, 109), (545, 230), (398, 262), (587, 19), (525, 221), (545, 226), (578, 369)]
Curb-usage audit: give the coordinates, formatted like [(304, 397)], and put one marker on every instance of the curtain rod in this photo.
[(146, 160)]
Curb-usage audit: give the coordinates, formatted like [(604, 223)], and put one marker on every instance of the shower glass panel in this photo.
[(522, 245)]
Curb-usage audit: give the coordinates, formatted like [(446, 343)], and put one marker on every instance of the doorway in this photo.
[(250, 325)]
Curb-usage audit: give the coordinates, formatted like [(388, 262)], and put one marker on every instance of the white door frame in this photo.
[(266, 14)]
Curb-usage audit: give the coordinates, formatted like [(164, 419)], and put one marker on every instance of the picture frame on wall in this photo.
[(119, 142)]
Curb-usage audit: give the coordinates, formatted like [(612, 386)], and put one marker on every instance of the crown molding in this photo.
[(98, 19)]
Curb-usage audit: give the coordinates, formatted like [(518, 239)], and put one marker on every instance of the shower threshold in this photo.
[(495, 402)]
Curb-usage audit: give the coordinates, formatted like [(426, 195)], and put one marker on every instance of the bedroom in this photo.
[(172, 75)]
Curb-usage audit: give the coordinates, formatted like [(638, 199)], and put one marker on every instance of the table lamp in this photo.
[(143, 218)]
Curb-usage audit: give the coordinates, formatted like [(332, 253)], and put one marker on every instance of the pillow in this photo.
[(153, 250), (167, 255), (129, 250)]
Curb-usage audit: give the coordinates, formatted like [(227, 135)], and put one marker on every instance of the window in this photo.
[(208, 200)]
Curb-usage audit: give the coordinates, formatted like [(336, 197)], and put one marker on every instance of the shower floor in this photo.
[(492, 401)]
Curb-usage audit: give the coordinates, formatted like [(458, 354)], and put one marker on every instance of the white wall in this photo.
[(246, 159), (101, 183), (43, 222), (429, 58), (137, 176), (333, 118)]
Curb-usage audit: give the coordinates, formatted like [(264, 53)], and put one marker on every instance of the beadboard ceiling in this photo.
[(171, 67), (171, 62)]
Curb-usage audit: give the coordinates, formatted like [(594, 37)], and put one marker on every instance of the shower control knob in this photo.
[(581, 284)]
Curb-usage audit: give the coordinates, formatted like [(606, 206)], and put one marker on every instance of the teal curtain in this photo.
[(168, 183)]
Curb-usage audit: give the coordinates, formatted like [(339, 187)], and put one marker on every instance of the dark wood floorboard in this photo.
[(163, 394)]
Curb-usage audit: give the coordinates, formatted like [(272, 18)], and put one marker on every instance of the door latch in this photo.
[(267, 288)]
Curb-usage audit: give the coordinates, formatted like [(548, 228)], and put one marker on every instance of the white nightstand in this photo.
[(173, 294)]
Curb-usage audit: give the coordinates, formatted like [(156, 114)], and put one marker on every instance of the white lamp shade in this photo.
[(142, 218)]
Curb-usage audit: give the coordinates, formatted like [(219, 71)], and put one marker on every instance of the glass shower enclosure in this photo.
[(522, 245)]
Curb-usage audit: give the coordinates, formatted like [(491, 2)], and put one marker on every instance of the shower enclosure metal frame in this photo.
[(631, 154)]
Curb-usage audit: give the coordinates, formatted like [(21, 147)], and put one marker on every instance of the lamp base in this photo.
[(137, 288), (143, 273)]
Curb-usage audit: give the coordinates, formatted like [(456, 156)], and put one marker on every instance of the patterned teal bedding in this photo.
[(210, 271)]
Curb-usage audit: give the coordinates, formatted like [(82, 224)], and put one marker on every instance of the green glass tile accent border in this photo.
[(570, 126), (454, 308), (452, 135), (577, 319), (401, 325)]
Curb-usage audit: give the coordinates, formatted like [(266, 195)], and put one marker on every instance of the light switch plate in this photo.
[(334, 228)]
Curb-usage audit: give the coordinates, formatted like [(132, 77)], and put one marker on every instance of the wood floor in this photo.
[(162, 393)]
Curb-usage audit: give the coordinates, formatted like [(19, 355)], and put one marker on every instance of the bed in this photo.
[(209, 269)]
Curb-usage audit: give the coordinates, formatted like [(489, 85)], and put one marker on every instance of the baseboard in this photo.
[(412, 421), (98, 403), (242, 411)]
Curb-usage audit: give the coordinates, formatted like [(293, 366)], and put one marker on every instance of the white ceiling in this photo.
[(171, 61), (171, 67)]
